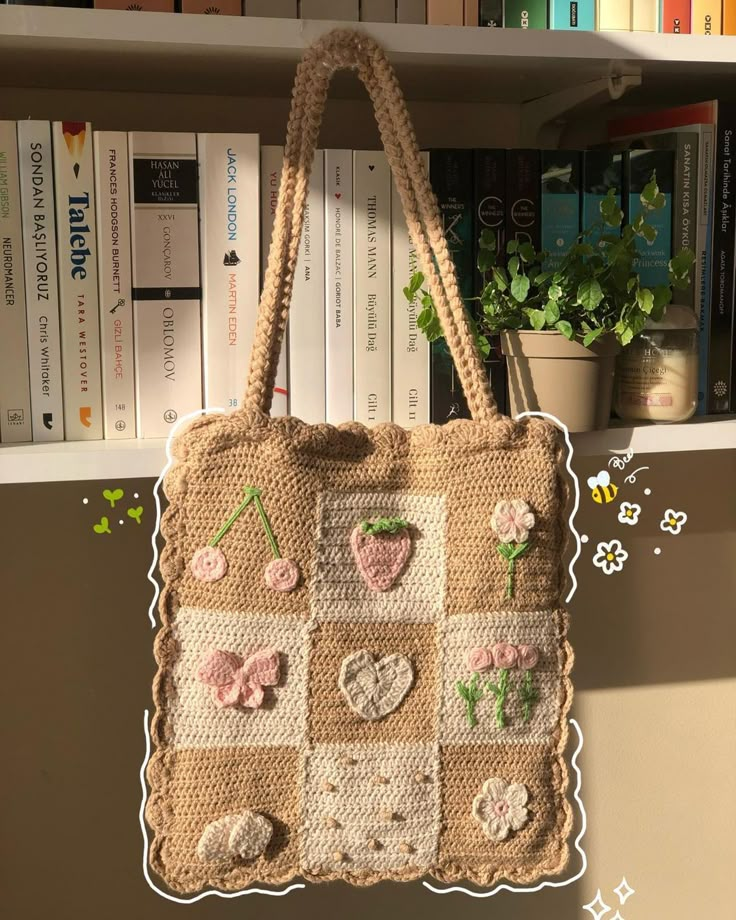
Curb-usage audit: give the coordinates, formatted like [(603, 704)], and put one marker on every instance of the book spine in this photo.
[(38, 218), (378, 10), (451, 174), (645, 15), (613, 16), (560, 204), (409, 347), (372, 286), (445, 12), (525, 14), (652, 262), (272, 158), (339, 285), (115, 281), (706, 167), (676, 17), (523, 187), (575, 15), (76, 238), (470, 12), (411, 11), (685, 213), (307, 320), (490, 14), (729, 17), (229, 245), (722, 265), (489, 196), (602, 170), (707, 18), (166, 282), (15, 387)]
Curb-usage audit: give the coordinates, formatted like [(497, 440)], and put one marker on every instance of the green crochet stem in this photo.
[(471, 693), (499, 691), (266, 524), (511, 552), (528, 696), (249, 496)]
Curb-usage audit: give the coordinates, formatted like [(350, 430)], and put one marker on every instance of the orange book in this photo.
[(706, 17), (471, 12), (729, 17), (445, 12)]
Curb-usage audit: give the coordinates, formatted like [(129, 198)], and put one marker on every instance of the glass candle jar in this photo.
[(657, 374)]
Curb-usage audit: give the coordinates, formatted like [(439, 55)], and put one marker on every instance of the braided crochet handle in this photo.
[(338, 50)]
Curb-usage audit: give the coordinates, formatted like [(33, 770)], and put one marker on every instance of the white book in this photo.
[(76, 248), (42, 283), (307, 314), (339, 285), (372, 286), (15, 387), (410, 351), (272, 158), (115, 283), (231, 266), (166, 287)]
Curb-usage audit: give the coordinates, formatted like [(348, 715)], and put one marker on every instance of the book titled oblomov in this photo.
[(166, 284)]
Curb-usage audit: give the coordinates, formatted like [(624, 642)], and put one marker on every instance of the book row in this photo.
[(703, 17), (132, 264)]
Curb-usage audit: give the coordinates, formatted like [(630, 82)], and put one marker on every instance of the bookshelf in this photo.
[(111, 460), (477, 86)]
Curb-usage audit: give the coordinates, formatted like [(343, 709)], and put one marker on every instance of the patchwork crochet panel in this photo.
[(363, 665)]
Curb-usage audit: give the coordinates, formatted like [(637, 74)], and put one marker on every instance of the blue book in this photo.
[(560, 204), (576, 15), (602, 170), (639, 166)]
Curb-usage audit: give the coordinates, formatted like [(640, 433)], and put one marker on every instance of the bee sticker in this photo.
[(603, 490)]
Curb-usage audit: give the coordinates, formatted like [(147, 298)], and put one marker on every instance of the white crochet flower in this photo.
[(672, 521), (610, 557), (501, 807), (629, 513)]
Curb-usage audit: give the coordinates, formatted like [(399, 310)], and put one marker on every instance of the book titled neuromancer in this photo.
[(166, 283)]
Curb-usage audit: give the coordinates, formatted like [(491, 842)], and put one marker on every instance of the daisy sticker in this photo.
[(673, 521), (610, 557), (629, 513)]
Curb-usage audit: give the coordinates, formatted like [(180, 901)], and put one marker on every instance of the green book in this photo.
[(525, 14)]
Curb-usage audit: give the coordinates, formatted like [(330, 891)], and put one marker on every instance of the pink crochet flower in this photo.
[(512, 521), (480, 658), (282, 575), (208, 564), (528, 656), (504, 655)]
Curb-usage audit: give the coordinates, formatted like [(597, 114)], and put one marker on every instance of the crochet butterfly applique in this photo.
[(239, 682)]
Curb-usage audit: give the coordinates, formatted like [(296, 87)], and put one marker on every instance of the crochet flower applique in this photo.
[(238, 682), (501, 808), (511, 521)]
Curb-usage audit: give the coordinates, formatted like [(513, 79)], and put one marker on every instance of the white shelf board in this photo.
[(160, 52), (113, 460)]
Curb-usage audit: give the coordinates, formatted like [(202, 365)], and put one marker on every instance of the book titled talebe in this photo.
[(166, 283), (76, 236)]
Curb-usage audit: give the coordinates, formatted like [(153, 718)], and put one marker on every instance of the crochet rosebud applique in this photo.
[(210, 563), (381, 550), (505, 657), (238, 682), (511, 522)]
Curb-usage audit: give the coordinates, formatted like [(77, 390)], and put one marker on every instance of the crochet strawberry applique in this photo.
[(381, 549)]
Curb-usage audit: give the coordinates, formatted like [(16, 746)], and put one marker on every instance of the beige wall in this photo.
[(655, 674)]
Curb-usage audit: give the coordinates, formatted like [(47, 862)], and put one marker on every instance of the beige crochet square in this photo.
[(465, 850), (193, 788), (476, 572), (460, 634), (371, 809), (338, 589), (197, 721), (330, 718)]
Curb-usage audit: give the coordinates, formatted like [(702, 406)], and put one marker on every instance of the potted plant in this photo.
[(561, 328)]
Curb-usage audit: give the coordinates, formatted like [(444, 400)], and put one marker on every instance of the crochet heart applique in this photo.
[(381, 550), (374, 687)]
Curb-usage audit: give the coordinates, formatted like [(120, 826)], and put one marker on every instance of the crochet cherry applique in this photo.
[(381, 550)]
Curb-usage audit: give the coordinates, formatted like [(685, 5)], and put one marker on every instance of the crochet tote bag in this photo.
[(363, 669)]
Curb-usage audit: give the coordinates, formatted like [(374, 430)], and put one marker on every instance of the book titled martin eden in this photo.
[(166, 287)]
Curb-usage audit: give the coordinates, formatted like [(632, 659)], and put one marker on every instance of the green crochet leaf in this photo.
[(383, 525)]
